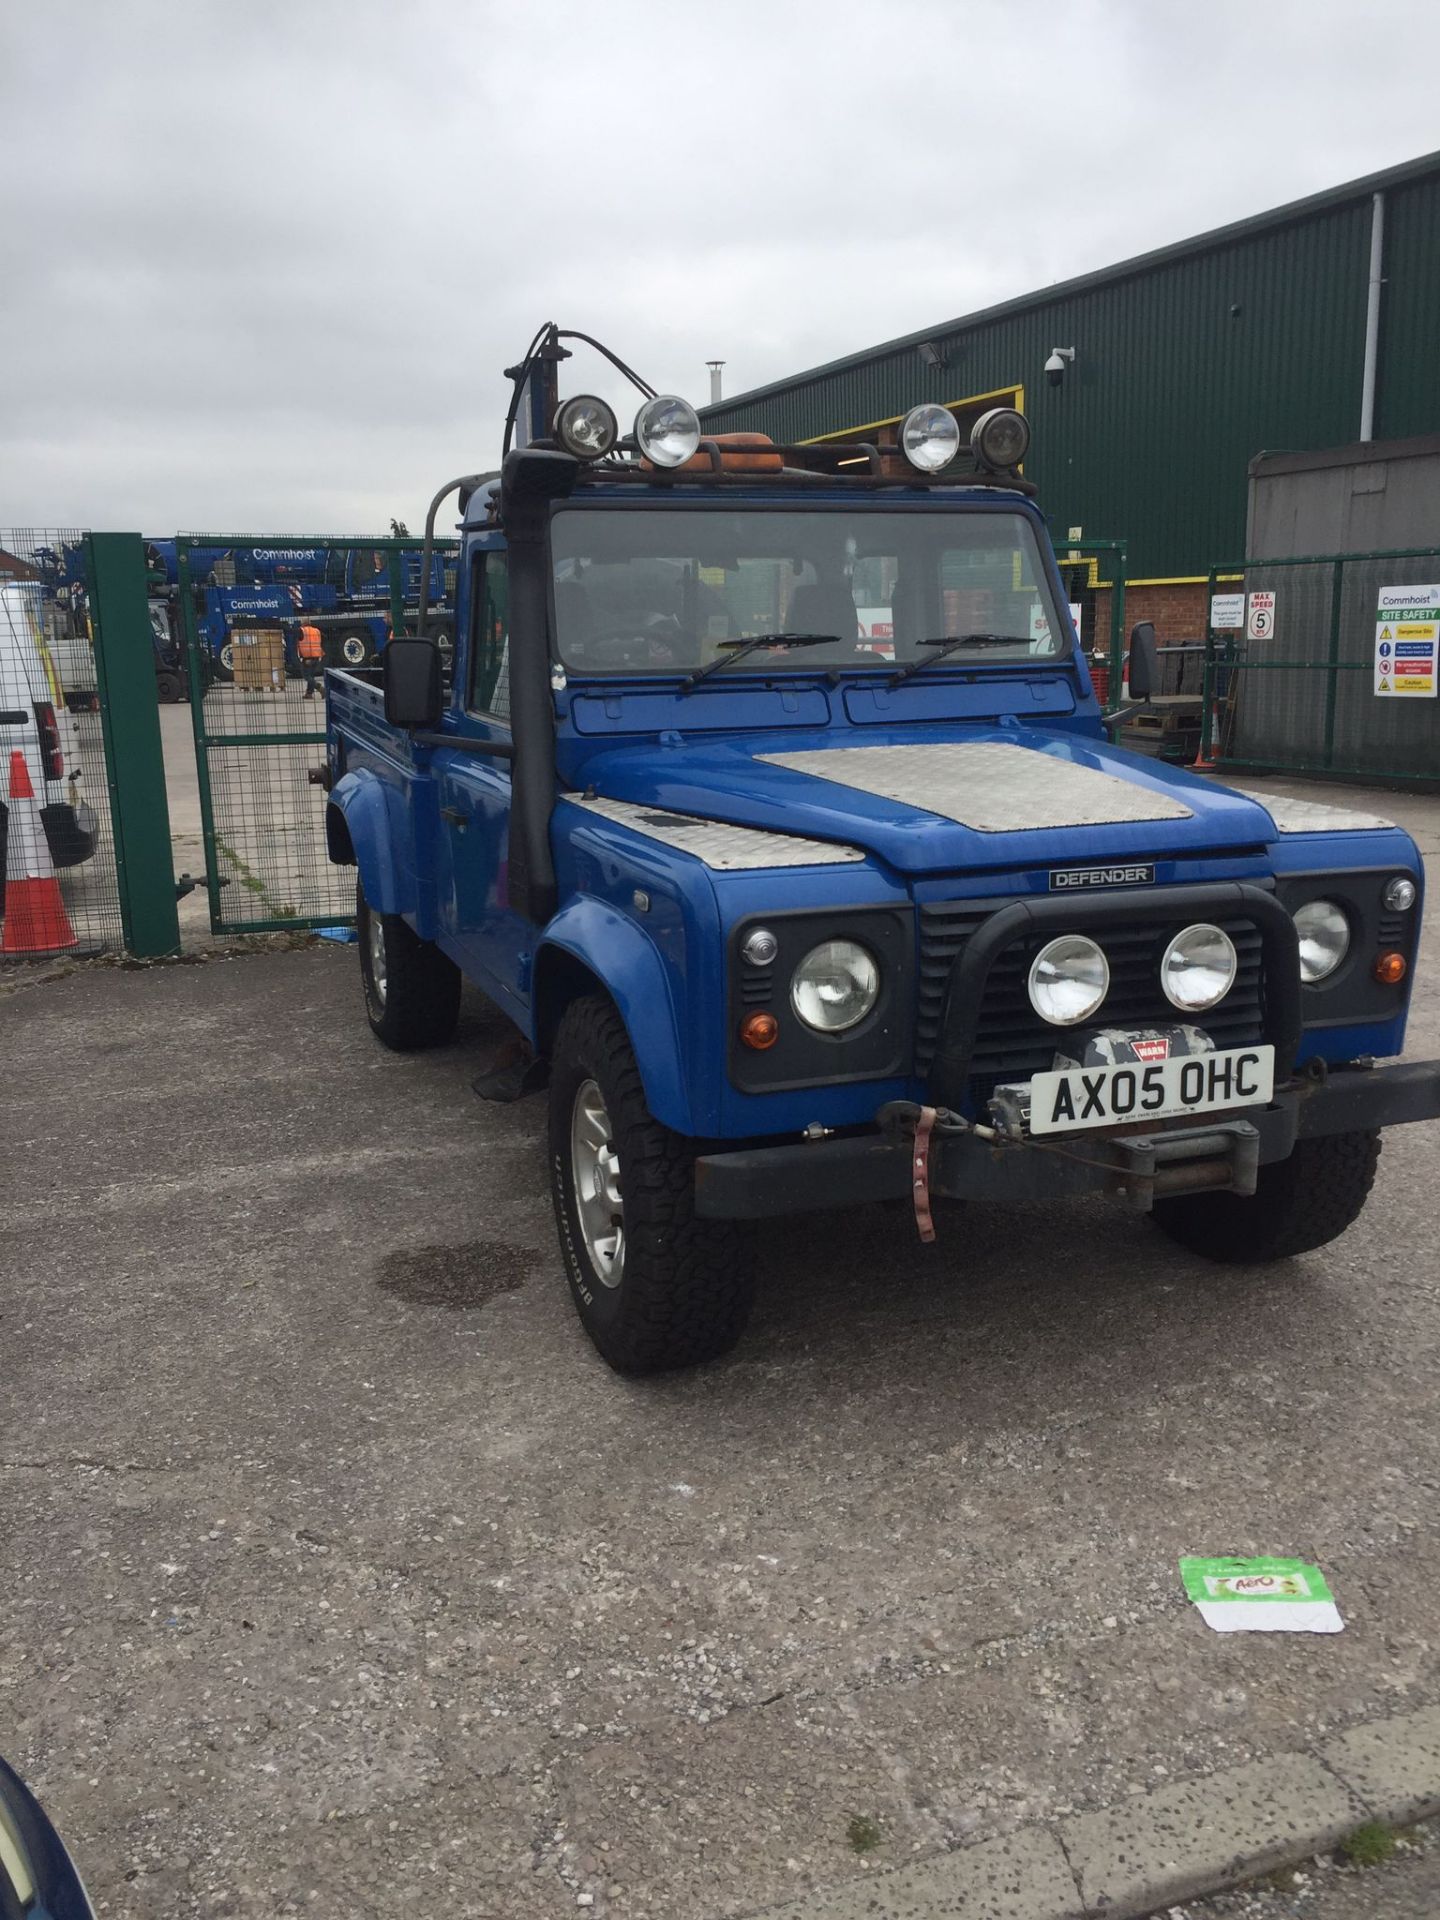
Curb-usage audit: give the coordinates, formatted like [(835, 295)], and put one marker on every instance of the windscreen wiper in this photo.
[(737, 650), (948, 643)]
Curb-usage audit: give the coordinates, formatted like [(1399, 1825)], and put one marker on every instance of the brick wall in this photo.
[(1177, 612)]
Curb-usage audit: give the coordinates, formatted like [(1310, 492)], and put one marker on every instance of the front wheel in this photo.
[(412, 990), (655, 1285), (1298, 1204)]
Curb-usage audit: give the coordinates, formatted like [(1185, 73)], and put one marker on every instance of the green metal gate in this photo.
[(1092, 570), (1301, 697), (260, 741)]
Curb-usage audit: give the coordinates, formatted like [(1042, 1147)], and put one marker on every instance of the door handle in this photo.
[(457, 816)]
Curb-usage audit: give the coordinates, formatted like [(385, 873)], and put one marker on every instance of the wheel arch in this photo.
[(360, 832), (590, 948)]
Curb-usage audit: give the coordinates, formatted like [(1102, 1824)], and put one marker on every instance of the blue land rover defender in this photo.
[(771, 801)]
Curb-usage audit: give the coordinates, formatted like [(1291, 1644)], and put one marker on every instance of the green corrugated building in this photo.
[(1187, 363)]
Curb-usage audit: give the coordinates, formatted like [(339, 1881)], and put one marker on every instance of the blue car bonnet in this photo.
[(932, 800)]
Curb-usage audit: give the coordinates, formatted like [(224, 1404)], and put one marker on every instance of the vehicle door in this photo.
[(489, 938)]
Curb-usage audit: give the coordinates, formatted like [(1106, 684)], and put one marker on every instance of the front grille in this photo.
[(756, 984), (1395, 930), (1012, 1041)]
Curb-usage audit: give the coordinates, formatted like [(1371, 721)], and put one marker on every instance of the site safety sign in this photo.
[(1261, 622), (1407, 640), (1227, 612)]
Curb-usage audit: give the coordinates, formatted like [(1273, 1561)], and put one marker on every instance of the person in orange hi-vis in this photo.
[(309, 652)]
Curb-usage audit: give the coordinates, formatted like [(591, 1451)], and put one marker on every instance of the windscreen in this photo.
[(659, 590)]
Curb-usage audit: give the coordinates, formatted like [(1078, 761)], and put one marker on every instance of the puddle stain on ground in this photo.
[(455, 1277)]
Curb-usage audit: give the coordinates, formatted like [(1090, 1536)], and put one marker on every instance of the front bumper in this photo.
[(758, 1183)]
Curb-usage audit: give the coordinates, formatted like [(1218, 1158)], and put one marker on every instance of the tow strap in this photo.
[(920, 1173)]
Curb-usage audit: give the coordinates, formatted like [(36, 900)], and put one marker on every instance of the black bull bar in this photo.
[(950, 1071)]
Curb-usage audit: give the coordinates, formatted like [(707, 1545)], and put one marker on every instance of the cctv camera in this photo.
[(1060, 358)]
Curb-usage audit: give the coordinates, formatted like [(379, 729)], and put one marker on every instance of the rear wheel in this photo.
[(1299, 1204), (169, 687), (655, 1285), (412, 990)]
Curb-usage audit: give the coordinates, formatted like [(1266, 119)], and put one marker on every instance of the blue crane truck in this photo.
[(786, 919), (344, 591)]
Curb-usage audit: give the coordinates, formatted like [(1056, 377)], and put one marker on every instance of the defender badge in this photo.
[(1135, 874)]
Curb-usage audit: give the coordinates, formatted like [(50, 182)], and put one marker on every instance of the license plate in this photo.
[(1160, 1090)]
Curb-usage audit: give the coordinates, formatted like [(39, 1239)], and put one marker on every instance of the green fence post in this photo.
[(1332, 678), (1207, 678), (134, 753), (394, 563), (1117, 622), (201, 664)]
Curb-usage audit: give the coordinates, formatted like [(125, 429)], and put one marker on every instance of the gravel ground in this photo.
[(341, 1570)]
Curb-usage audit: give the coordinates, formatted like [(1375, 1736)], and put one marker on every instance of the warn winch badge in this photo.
[(1069, 879)]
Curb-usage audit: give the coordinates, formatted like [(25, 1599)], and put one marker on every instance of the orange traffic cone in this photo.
[(35, 916)]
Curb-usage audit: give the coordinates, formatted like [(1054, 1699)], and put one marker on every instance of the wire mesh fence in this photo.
[(262, 625), (57, 843), (1305, 693)]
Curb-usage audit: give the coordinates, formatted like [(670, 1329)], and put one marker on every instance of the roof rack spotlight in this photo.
[(667, 430), (586, 427), (999, 439), (929, 437)]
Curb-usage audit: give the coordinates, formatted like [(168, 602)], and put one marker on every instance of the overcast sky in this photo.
[(261, 264)]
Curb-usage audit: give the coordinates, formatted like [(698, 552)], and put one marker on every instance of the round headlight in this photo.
[(667, 430), (999, 438), (586, 427), (929, 438), (1198, 968), (1399, 894), (760, 946), (835, 986), (1324, 939), (1068, 980)]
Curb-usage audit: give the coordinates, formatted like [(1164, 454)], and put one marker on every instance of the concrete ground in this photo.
[(1405, 1887), (182, 792), (342, 1573), (268, 815)]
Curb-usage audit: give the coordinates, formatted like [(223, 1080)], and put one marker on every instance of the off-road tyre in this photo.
[(1299, 1204), (686, 1283), (418, 1003)]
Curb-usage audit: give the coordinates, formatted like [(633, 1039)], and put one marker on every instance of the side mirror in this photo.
[(1144, 662), (410, 675), (37, 1875)]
